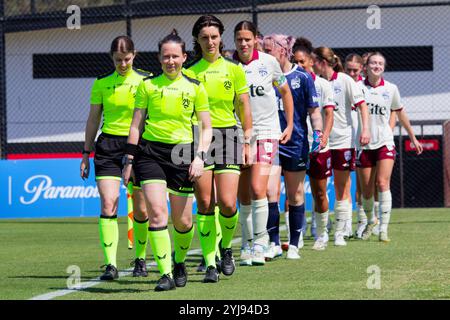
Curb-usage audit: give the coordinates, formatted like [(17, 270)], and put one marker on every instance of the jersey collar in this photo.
[(255, 56), (293, 68), (367, 83), (313, 75), (334, 76)]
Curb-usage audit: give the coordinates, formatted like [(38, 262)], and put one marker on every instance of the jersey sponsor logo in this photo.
[(227, 84), (256, 91), (232, 166), (295, 83), (376, 109)]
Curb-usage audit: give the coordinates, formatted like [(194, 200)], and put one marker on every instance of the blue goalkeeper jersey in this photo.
[(304, 96)]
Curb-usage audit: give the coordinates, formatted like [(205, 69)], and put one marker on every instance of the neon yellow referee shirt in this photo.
[(170, 106), (116, 94), (223, 79)]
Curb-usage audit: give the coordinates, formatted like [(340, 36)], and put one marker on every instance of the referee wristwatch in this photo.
[(201, 155), (127, 160)]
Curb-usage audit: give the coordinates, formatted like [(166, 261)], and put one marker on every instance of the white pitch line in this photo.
[(96, 281)]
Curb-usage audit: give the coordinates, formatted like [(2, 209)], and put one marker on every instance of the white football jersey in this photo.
[(325, 94), (347, 95), (263, 73), (381, 100)]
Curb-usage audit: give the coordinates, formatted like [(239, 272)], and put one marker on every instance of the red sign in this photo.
[(428, 145)]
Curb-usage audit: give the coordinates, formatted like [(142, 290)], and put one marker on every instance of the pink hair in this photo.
[(283, 41)]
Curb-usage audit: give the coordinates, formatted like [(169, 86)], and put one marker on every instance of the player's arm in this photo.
[(288, 105), (393, 120), (404, 120), (364, 138), (205, 129), (245, 116), (131, 147), (92, 125)]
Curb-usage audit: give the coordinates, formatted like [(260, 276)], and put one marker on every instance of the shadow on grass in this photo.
[(47, 277), (107, 290)]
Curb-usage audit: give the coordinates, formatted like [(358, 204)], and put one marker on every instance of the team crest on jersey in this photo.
[(295, 83), (347, 155), (186, 103), (337, 89), (227, 84), (386, 95), (263, 71)]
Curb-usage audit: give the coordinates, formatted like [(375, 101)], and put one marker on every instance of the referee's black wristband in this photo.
[(131, 149)]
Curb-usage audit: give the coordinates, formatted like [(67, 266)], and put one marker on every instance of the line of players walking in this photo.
[(226, 129)]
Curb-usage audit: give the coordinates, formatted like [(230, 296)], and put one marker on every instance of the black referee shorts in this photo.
[(109, 151), (225, 152), (158, 162)]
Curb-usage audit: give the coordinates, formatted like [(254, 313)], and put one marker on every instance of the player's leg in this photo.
[(140, 231), (259, 175), (273, 223), (245, 217), (183, 233), (321, 211), (227, 181), (362, 217), (295, 185), (158, 234), (367, 176), (108, 188), (204, 194), (341, 206), (384, 172)]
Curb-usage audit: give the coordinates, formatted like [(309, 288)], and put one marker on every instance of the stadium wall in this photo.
[(55, 109)]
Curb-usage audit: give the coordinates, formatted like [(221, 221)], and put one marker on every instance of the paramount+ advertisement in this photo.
[(53, 188)]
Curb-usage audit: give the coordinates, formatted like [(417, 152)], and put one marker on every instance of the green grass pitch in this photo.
[(35, 255)]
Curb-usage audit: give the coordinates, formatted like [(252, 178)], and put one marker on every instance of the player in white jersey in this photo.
[(263, 73), (342, 142), (320, 164), (353, 67), (376, 159)]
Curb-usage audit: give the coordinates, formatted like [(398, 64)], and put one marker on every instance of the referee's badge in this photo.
[(227, 84)]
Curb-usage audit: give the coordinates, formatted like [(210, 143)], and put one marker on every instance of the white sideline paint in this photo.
[(96, 281)]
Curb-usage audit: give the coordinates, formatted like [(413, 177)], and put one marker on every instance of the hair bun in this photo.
[(174, 32)]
